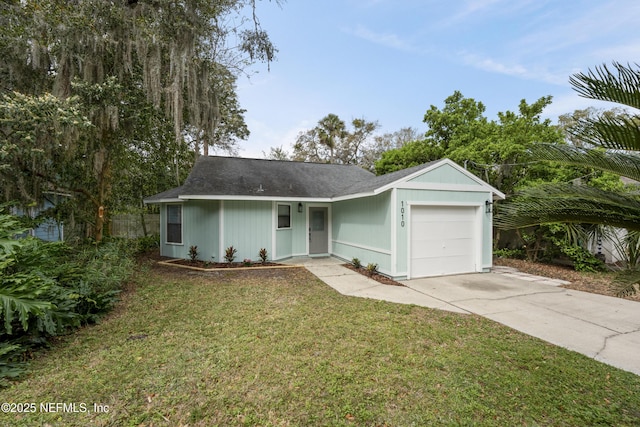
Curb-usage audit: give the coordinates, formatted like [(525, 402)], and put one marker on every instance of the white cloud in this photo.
[(570, 101), (514, 69), (479, 10), (271, 137), (386, 39), (625, 52)]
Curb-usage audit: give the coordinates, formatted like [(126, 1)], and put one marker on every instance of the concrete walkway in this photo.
[(604, 328)]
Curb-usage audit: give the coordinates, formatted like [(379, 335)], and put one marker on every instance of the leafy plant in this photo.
[(356, 263), (246, 262), (263, 255), (509, 253), (10, 365), (50, 288), (230, 254), (582, 259), (193, 253), (147, 243), (372, 269)]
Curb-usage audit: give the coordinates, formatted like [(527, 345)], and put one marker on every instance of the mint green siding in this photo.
[(200, 225), (284, 243), (292, 241), (247, 226), (445, 174), (361, 228), (299, 232), (200, 221)]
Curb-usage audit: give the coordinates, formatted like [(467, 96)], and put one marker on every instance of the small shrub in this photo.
[(193, 253), (509, 253), (356, 263), (230, 254), (263, 255), (372, 269), (146, 243), (582, 259)]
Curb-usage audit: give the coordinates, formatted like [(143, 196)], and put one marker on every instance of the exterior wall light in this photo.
[(487, 206), (300, 207)]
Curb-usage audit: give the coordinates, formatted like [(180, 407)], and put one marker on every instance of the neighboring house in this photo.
[(49, 230), (428, 220)]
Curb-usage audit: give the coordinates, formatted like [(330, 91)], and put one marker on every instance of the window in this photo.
[(174, 224), (284, 216)]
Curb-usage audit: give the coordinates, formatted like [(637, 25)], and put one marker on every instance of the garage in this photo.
[(443, 240)]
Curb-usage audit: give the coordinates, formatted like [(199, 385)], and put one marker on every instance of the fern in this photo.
[(9, 367), (20, 296)]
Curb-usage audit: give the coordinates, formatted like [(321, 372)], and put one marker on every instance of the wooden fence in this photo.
[(131, 225)]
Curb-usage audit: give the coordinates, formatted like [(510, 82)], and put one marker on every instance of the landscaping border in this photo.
[(172, 263)]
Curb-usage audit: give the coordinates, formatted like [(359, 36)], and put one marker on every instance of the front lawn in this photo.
[(280, 348)]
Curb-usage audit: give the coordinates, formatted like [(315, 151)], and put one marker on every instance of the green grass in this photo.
[(237, 348)]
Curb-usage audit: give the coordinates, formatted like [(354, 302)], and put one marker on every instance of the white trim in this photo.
[(353, 196), (394, 231), (259, 198), (445, 203), (174, 200), (221, 233), (278, 214), (438, 186), (368, 248), (274, 228), (478, 229)]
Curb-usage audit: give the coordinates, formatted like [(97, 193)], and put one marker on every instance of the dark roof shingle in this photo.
[(235, 176)]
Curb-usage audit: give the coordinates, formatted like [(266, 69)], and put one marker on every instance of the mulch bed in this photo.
[(377, 277), (207, 265)]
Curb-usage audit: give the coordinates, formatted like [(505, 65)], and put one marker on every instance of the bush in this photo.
[(47, 289), (582, 259), (263, 255), (510, 253), (193, 253), (146, 243), (356, 263), (372, 269), (230, 254)]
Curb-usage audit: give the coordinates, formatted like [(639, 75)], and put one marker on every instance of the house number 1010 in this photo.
[(401, 213)]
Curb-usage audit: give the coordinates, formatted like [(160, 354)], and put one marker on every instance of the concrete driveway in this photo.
[(604, 328)]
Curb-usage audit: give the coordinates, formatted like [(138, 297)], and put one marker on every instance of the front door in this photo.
[(318, 231)]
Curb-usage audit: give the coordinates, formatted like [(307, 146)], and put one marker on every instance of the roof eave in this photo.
[(158, 201), (262, 198)]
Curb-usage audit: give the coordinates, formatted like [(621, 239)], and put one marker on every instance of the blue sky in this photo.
[(389, 60)]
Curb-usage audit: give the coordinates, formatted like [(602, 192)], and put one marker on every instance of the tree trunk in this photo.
[(103, 168), (142, 221)]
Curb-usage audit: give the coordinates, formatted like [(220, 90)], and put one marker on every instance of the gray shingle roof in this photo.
[(234, 176), (222, 177)]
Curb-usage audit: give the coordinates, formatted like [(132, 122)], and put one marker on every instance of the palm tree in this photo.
[(611, 143), (331, 129)]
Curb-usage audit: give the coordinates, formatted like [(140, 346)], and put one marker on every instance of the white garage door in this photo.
[(443, 240)]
